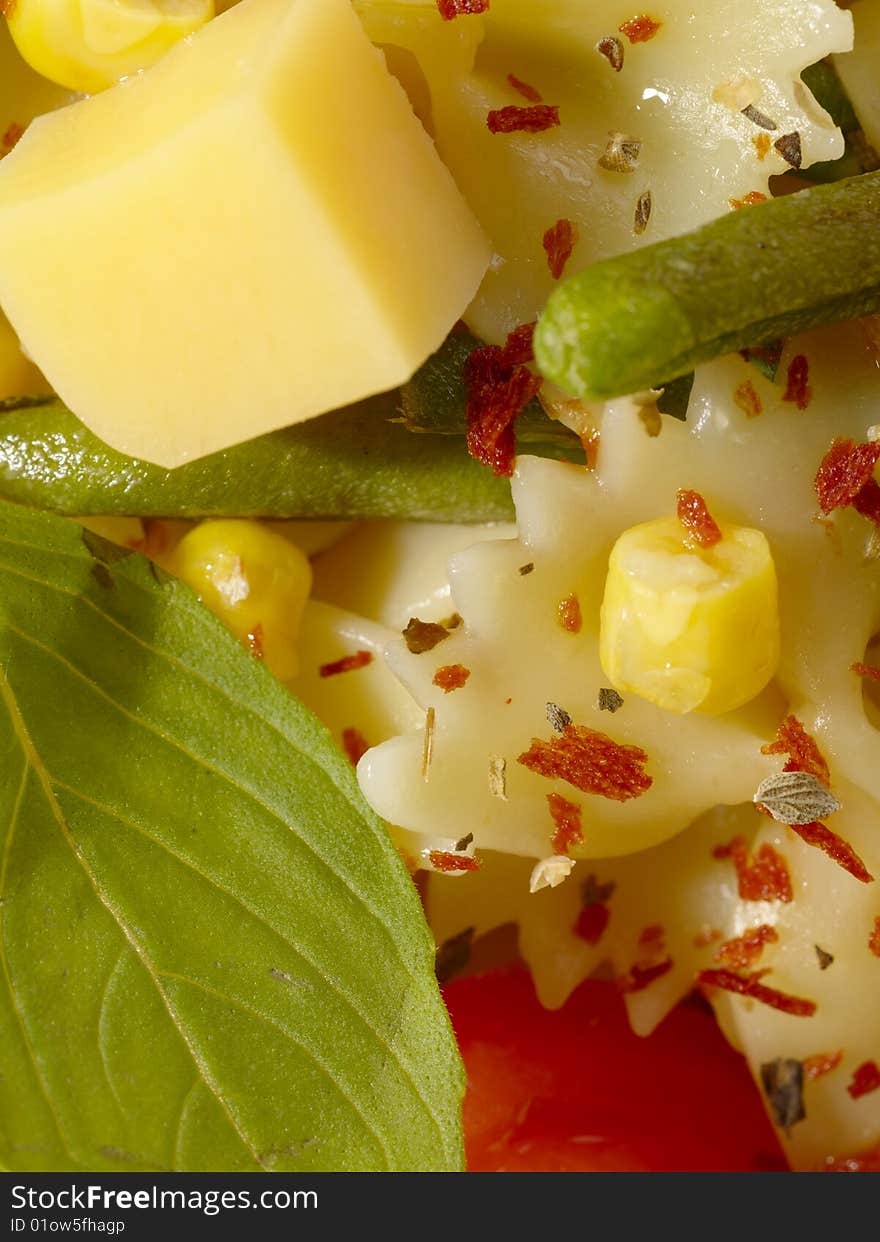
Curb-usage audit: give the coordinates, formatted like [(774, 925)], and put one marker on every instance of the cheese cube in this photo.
[(254, 231)]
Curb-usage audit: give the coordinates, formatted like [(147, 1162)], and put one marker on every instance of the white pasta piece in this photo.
[(858, 69), (680, 95), (755, 471)]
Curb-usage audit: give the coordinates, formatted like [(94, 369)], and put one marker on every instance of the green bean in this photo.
[(764, 272)]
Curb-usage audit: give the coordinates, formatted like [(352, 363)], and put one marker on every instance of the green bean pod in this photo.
[(767, 271)]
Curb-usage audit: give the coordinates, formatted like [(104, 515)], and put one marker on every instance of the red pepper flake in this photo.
[(255, 641), (744, 951), (748, 200), (10, 138), (797, 388), (591, 762), (844, 473), (762, 145), (641, 977), (865, 1080), (567, 818), (451, 677), (640, 29), (765, 878), (442, 860), (498, 391), (821, 1064), (652, 936), (591, 923), (516, 119), (750, 985), (559, 241), (701, 527), (527, 92), (866, 670), (793, 740), (569, 613), (874, 940), (355, 745), (747, 399), (348, 664), (519, 347), (835, 847), (450, 9)]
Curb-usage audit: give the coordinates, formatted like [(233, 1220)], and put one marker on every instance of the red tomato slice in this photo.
[(576, 1090)]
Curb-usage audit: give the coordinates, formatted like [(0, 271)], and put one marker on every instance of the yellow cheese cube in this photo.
[(690, 628), (252, 232)]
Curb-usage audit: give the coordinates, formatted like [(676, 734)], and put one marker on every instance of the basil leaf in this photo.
[(354, 463), (212, 957)]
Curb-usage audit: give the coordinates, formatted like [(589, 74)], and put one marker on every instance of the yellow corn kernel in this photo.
[(690, 629), (88, 45), (256, 582)]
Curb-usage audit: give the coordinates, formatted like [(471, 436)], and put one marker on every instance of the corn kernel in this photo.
[(254, 580), (88, 45), (690, 629)]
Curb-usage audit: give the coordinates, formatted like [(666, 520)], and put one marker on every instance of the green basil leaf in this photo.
[(212, 957)]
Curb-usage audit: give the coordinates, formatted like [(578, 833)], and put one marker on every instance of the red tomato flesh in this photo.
[(576, 1090)]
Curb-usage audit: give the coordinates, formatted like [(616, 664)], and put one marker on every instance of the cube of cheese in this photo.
[(252, 232)]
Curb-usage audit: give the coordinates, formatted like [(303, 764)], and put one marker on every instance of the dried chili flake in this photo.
[(515, 119), (789, 147), (354, 744), (783, 1083), (744, 951), (594, 893), (762, 145), (591, 923), (845, 470), (652, 936), (865, 1080), (747, 399), (422, 636), (13, 133), (804, 754), (569, 613), (874, 939), (868, 671), (528, 92), (453, 955), (525, 570), (612, 49), (567, 818), (591, 762), (497, 393), (764, 878), (694, 515), (519, 347), (641, 977), (821, 1064), (835, 847), (450, 9), (348, 664), (748, 200), (751, 986), (640, 29), (797, 387), (444, 861), (559, 241), (451, 677)]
